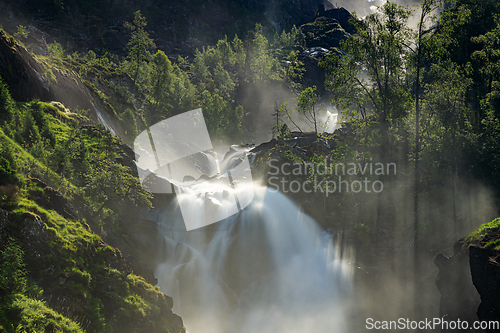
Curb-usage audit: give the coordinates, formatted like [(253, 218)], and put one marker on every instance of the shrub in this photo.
[(21, 33), (12, 269), (129, 124), (56, 50), (7, 174), (9, 195), (6, 103)]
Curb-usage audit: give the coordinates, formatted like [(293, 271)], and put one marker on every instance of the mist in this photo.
[(263, 100), (365, 7), (388, 282)]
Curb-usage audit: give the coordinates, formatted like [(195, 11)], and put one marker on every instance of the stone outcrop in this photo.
[(340, 15)]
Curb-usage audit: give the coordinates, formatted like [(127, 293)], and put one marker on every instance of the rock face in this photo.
[(29, 79), (459, 299), (485, 270), (342, 16), (177, 26), (323, 32), (314, 74)]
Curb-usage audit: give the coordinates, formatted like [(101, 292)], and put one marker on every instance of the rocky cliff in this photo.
[(177, 26), (61, 268), (28, 78)]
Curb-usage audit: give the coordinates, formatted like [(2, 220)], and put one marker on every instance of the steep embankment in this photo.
[(28, 78), (57, 274), (485, 271), (459, 298), (41, 77)]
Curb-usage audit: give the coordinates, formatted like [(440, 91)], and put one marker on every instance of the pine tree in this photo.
[(139, 43)]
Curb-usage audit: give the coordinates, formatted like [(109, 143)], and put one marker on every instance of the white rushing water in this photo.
[(269, 268), (330, 120)]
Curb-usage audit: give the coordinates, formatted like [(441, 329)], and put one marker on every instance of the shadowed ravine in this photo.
[(269, 268)]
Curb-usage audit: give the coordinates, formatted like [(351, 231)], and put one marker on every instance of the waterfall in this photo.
[(269, 268)]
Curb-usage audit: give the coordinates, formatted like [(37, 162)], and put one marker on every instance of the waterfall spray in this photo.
[(268, 269), (236, 256)]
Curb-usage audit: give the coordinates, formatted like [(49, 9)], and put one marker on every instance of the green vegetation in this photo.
[(74, 296), (416, 98), (77, 283), (489, 229), (139, 43), (21, 33), (154, 87), (21, 310), (415, 101), (63, 278), (425, 99), (306, 106)]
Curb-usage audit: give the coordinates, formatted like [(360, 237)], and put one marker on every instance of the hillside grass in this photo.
[(489, 229), (95, 290), (56, 274)]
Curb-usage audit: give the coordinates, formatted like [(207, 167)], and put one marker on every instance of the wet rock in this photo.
[(176, 323), (48, 271), (61, 280), (315, 52)]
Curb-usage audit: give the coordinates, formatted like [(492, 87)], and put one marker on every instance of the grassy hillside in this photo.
[(56, 274)]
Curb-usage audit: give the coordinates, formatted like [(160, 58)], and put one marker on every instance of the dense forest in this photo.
[(415, 87)]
